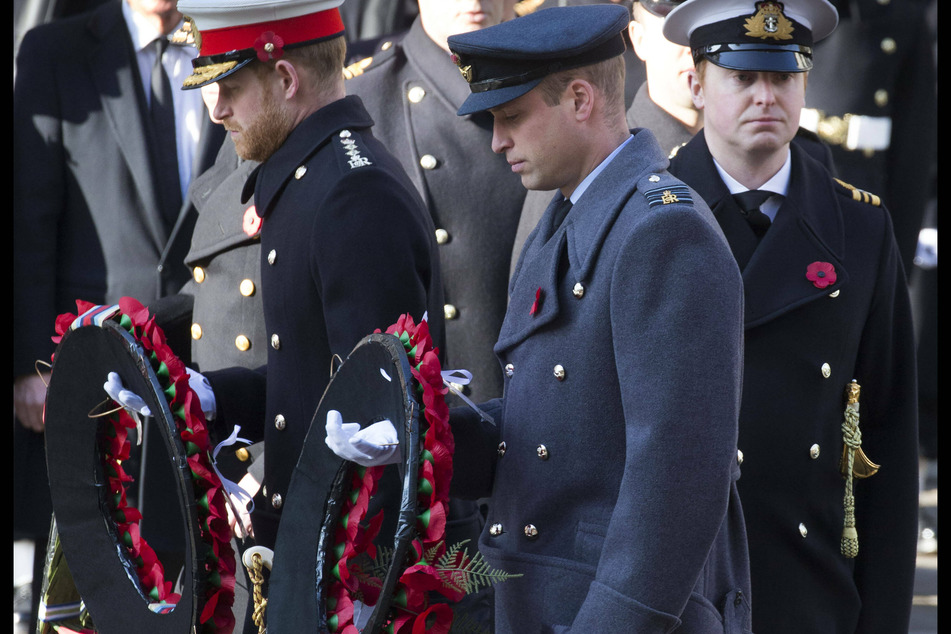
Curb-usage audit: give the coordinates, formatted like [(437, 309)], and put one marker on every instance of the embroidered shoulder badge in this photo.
[(769, 22), (351, 150), (860, 195), (668, 195)]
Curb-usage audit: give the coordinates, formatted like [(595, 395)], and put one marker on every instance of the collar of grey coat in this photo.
[(645, 113), (268, 180), (435, 65), (808, 228), (580, 237)]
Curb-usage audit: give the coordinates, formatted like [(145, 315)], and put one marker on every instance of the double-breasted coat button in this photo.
[(530, 531), (198, 274), (300, 171), (888, 45), (450, 312), (509, 369), (502, 448), (279, 422), (881, 98), (242, 343), (834, 294), (803, 530), (242, 454), (826, 370), (416, 94), (272, 256), (739, 457), (442, 236), (542, 452), (275, 341), (559, 372), (386, 45), (196, 331), (428, 162), (495, 530), (814, 452), (246, 287), (578, 290), (277, 501)]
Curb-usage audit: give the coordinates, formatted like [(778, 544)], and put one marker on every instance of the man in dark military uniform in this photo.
[(412, 90), (827, 323), (612, 460), (346, 244)]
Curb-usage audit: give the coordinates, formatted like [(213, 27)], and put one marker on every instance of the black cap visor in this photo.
[(790, 58)]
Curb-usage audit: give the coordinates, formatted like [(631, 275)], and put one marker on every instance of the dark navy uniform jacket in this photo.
[(346, 248), (612, 463), (804, 345), (413, 90)]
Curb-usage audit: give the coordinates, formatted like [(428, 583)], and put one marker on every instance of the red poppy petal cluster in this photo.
[(821, 274), (269, 45), (218, 558), (411, 612)]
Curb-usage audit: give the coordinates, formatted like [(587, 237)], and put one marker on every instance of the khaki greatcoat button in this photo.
[(442, 236), (246, 287), (196, 331), (199, 274), (416, 94), (450, 312), (279, 422), (495, 530), (277, 501), (428, 162), (242, 343)]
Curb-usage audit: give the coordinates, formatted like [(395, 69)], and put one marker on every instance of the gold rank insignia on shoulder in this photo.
[(186, 36), (357, 68), (769, 22), (860, 195), (668, 195)]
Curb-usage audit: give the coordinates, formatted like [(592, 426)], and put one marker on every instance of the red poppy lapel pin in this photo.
[(251, 223), (821, 274), (269, 46), (537, 304)]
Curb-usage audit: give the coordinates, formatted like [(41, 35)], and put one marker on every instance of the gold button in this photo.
[(442, 236), (199, 274), (888, 45), (300, 171), (578, 290), (428, 162), (275, 342), (277, 501), (881, 98), (542, 452), (386, 45), (530, 531), (559, 372), (242, 454), (246, 288), (509, 369), (814, 452), (242, 343), (826, 370), (495, 530), (272, 256), (450, 311), (834, 294), (739, 457), (416, 94), (502, 449), (279, 422), (196, 331), (803, 530)]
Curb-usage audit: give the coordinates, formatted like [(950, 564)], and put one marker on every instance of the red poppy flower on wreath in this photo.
[(821, 274), (269, 45), (251, 223)]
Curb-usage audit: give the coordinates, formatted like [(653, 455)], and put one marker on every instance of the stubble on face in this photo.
[(261, 137)]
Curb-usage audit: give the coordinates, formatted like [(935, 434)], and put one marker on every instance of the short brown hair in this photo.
[(606, 76), (323, 60)]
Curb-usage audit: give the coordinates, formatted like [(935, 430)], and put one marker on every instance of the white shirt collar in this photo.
[(583, 185), (778, 184)]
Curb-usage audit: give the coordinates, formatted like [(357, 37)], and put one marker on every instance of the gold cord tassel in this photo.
[(853, 441), (256, 571)]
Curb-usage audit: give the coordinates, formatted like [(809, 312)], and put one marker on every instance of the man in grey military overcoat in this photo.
[(611, 459)]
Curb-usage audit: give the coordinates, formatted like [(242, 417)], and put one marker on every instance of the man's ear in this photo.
[(636, 32), (582, 94), (696, 89), (289, 78)]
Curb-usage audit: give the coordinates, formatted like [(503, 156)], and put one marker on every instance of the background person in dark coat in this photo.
[(412, 90), (612, 459), (808, 337)]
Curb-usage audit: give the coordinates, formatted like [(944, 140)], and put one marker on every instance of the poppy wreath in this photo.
[(357, 565), (218, 560)]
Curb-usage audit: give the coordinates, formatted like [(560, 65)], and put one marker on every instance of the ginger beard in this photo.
[(260, 137)]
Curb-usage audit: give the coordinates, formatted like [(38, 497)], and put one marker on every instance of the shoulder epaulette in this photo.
[(382, 53), (860, 195), (351, 154), (664, 189)]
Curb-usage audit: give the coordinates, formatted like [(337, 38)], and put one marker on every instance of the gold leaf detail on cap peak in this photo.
[(769, 22), (205, 73)]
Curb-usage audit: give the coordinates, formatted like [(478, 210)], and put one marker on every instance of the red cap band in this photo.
[(291, 30)]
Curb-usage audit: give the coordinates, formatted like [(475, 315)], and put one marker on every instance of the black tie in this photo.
[(162, 113), (749, 202), (561, 210)]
